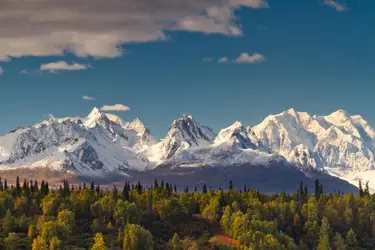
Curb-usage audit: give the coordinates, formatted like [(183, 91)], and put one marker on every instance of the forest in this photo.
[(164, 216)]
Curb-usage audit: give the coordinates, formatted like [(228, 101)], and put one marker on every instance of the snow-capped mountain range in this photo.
[(103, 144), (341, 144)]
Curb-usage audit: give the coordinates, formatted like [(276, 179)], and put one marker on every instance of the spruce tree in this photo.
[(114, 193), (125, 191), (317, 189), (204, 189), (18, 187), (150, 203), (46, 188), (360, 188)]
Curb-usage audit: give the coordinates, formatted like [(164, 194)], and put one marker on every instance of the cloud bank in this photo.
[(99, 28), (116, 107)]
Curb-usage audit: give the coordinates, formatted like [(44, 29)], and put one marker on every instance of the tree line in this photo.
[(35, 216)]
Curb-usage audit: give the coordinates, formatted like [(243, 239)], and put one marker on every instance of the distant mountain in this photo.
[(94, 146), (341, 144), (268, 156)]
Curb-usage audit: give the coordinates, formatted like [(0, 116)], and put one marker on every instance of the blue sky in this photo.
[(318, 57)]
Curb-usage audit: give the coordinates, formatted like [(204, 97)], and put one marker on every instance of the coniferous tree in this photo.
[(31, 187), (25, 188), (360, 188), (139, 187), (42, 188), (156, 184), (1, 185), (46, 188), (114, 193), (5, 184), (150, 203), (367, 189), (18, 186), (301, 190), (230, 185), (204, 189), (317, 188), (125, 191)]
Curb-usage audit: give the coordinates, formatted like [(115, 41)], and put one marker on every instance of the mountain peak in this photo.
[(291, 111), (95, 113), (235, 135), (137, 125), (340, 114), (187, 116), (96, 116)]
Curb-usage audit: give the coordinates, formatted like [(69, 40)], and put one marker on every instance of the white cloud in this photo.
[(116, 107), (1, 71), (334, 4), (62, 65), (207, 59), (100, 28), (254, 58), (223, 60), (88, 98)]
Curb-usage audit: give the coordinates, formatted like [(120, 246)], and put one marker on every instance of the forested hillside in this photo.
[(164, 217)]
